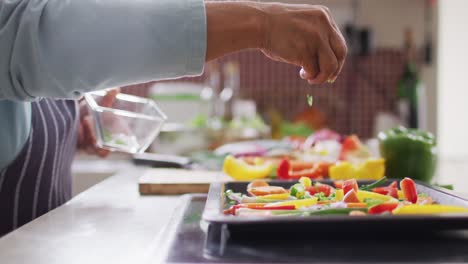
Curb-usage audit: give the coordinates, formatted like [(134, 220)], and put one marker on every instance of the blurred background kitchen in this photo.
[(404, 67)]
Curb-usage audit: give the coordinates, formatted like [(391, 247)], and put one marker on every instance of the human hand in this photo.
[(303, 35), (86, 134), (306, 36)]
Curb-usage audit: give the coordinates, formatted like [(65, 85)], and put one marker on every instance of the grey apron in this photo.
[(39, 179)]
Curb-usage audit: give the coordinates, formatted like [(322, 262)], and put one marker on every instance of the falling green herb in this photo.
[(107, 136), (310, 100), (120, 142)]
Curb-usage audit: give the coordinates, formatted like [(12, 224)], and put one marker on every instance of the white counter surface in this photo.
[(109, 223)]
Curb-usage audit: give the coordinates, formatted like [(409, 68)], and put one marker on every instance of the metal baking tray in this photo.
[(326, 224)]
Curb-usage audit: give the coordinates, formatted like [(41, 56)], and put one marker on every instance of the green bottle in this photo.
[(408, 92)]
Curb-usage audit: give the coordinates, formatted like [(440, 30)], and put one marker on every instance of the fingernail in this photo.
[(302, 73)]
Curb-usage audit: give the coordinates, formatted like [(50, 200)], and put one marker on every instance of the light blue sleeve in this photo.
[(14, 130), (63, 48)]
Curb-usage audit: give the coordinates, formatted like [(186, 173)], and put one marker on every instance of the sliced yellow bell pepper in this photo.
[(400, 194), (372, 195), (305, 181), (339, 194), (372, 169), (240, 170), (278, 196), (297, 203), (341, 171), (417, 209)]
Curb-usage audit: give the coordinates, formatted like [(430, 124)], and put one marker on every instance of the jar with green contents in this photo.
[(408, 153)]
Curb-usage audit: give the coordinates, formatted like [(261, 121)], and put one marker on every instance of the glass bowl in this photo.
[(130, 125)]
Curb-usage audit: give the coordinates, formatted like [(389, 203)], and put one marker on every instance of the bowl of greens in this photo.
[(129, 124)]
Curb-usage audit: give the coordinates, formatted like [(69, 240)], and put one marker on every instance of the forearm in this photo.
[(56, 48), (233, 26)]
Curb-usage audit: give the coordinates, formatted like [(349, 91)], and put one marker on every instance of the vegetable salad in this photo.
[(346, 197)]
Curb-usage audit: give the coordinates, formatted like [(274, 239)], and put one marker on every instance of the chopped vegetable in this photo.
[(297, 190), (278, 196), (365, 194), (336, 211), (356, 205), (320, 188), (374, 184), (266, 190), (286, 171), (339, 194), (338, 184), (306, 182), (371, 169), (240, 170), (383, 208), (309, 199), (349, 185), (297, 203), (351, 197), (429, 209), (409, 190)]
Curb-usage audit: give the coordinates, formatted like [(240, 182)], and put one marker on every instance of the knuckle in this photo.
[(322, 15), (325, 8), (342, 52)]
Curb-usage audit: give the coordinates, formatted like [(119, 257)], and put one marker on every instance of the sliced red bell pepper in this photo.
[(349, 185), (393, 192), (394, 184), (380, 190), (383, 207), (311, 173), (351, 197), (408, 187), (286, 171), (283, 169), (387, 191)]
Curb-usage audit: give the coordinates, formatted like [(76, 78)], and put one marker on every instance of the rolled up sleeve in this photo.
[(63, 48)]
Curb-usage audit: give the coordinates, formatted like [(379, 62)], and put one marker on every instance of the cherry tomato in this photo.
[(320, 187)]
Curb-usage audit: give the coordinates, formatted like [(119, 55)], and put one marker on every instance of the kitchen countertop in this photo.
[(109, 223), (112, 223)]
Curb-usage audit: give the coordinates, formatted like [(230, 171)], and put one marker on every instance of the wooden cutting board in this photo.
[(178, 181)]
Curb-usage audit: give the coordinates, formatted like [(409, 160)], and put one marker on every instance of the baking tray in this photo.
[(327, 224), (185, 241)]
